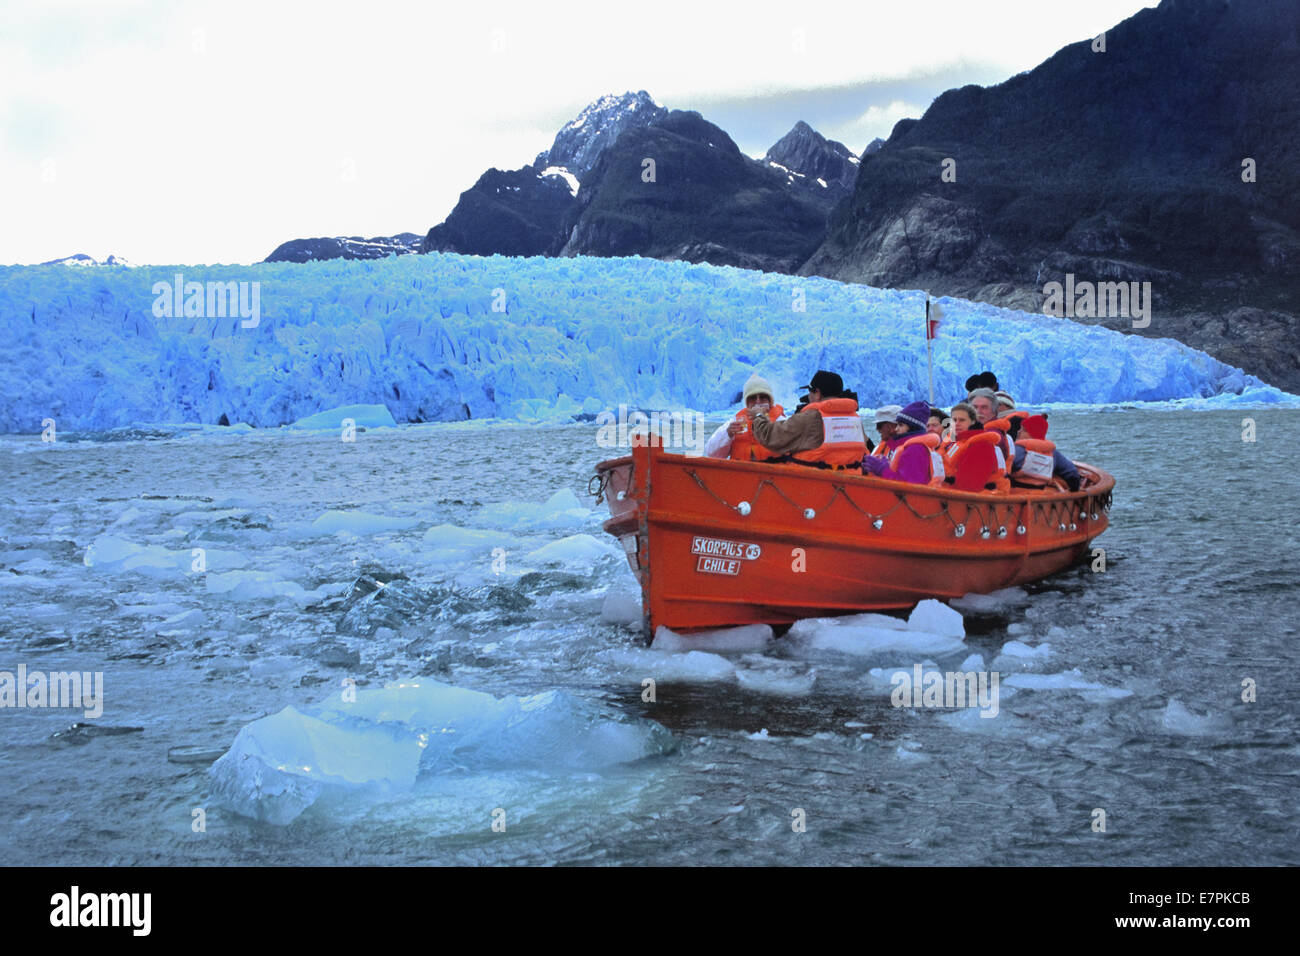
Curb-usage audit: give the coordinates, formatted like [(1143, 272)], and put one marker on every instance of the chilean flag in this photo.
[(932, 316)]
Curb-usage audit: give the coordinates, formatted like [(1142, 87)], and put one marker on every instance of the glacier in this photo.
[(444, 337)]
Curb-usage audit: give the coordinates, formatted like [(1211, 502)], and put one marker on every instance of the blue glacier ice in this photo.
[(449, 337), (389, 740)]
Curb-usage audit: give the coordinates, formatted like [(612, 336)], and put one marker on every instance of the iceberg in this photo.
[(363, 416), (424, 339), (388, 740)]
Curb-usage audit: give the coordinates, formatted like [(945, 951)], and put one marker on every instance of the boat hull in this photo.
[(718, 543)]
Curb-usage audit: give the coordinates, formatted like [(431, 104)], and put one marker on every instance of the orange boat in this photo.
[(717, 543)]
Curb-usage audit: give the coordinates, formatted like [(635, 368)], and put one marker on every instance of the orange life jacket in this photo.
[(744, 447), (1038, 465), (1008, 445), (843, 442), (931, 443), (954, 451)]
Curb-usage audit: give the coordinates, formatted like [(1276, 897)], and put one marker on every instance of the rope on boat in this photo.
[(602, 479)]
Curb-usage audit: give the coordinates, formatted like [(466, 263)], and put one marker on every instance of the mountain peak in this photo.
[(808, 153), (81, 259), (580, 141)]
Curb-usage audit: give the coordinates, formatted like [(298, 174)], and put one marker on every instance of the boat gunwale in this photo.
[(1103, 486)]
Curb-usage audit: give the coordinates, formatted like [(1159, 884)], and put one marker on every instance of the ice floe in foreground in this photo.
[(750, 637), (932, 628), (559, 512), (1178, 719), (1072, 680), (388, 740)]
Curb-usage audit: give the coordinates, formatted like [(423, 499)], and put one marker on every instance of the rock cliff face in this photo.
[(807, 153), (1170, 158), (681, 189), (580, 142), (515, 213)]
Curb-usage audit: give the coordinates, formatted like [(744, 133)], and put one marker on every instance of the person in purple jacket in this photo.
[(913, 464)]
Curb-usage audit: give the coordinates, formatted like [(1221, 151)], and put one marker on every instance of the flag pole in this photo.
[(929, 349)]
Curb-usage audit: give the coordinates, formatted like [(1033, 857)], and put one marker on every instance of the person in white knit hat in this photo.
[(735, 439)]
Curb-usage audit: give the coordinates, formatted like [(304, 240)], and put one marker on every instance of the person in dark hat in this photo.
[(912, 455), (824, 433), (984, 379)]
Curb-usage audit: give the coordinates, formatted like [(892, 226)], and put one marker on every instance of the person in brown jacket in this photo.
[(811, 439)]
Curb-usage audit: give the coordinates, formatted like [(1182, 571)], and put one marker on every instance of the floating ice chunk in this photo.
[(1066, 680), (850, 620), (274, 666), (253, 585), (450, 537), (387, 740), (995, 602), (775, 677), (973, 663), (279, 766), (817, 634), (935, 617), (621, 607), (1179, 720), (974, 719), (364, 416), (111, 553), (561, 511), (673, 668), (359, 522), (576, 549), (191, 619), (1023, 652), (749, 637), (886, 678)]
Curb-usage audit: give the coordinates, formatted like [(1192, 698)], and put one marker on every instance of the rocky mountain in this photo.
[(710, 203), (682, 189), (521, 212), (514, 213), (341, 247), (1166, 153), (580, 142), (81, 259), (807, 153)]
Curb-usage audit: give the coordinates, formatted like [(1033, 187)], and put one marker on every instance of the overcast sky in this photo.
[(191, 132)]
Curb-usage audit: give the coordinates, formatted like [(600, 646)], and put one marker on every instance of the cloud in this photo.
[(877, 121), (212, 130)]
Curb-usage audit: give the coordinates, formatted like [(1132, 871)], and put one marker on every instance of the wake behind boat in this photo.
[(717, 542)]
